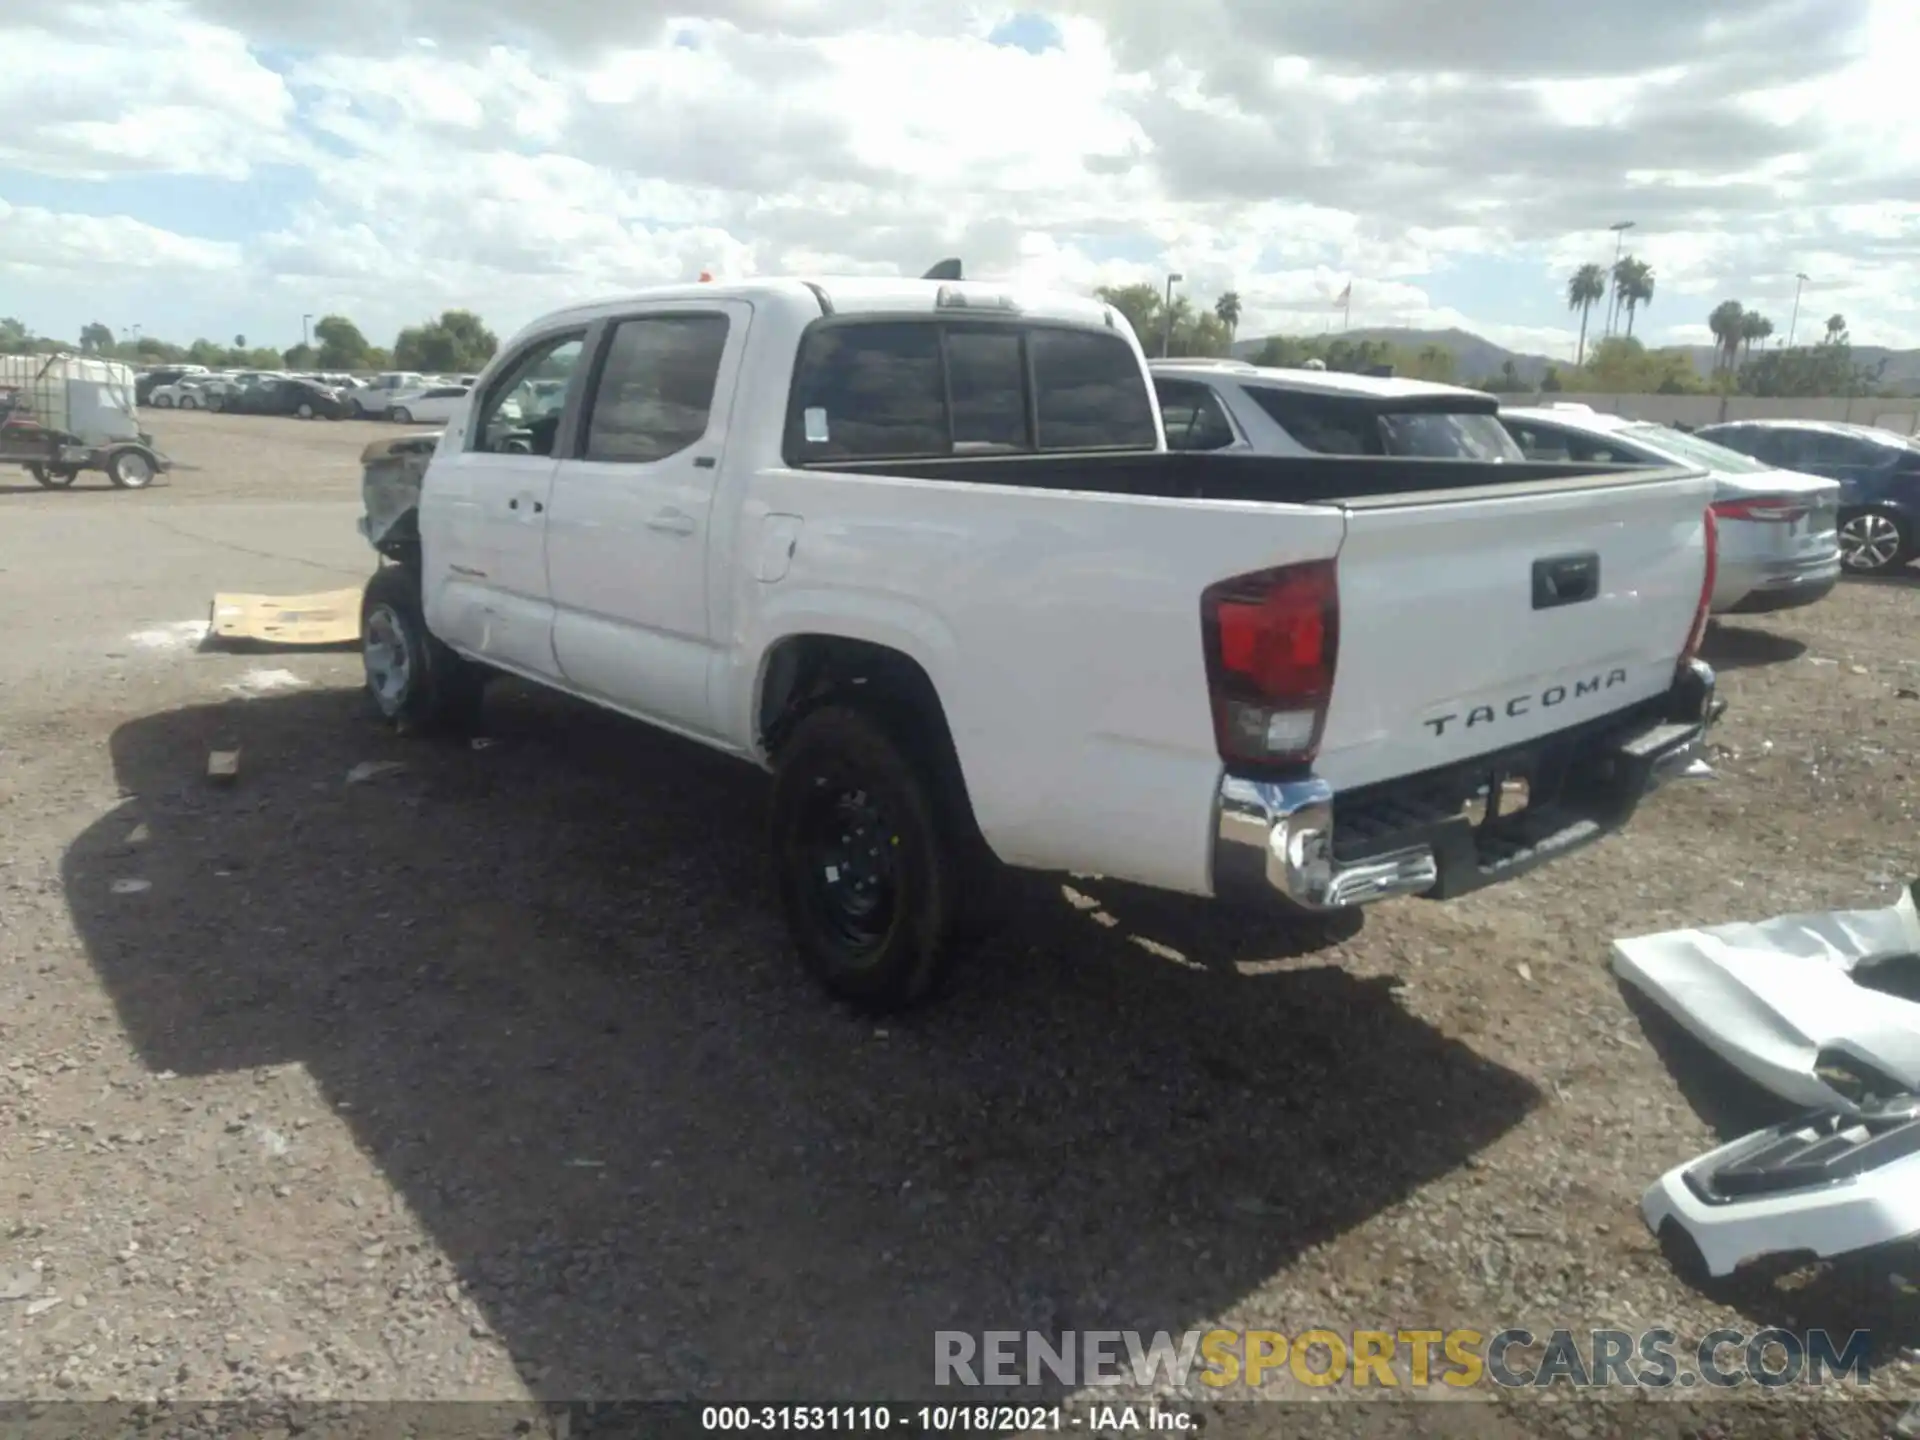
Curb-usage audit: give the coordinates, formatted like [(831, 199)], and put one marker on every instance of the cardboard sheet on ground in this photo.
[(1786, 999), (332, 618)]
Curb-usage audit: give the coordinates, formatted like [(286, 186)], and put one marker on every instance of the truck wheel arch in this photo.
[(803, 672)]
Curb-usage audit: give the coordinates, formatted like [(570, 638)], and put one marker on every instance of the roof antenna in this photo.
[(945, 270)]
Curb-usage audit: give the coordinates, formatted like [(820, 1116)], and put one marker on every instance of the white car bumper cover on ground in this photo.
[(1806, 1006)]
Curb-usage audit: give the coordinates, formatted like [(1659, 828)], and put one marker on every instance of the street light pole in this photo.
[(306, 332), (1619, 228), (1166, 319), (1799, 281)]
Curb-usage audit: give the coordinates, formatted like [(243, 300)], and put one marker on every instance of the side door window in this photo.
[(655, 388), (505, 423), (1539, 443), (1192, 416)]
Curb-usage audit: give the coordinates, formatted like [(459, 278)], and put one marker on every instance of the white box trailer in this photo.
[(61, 414)]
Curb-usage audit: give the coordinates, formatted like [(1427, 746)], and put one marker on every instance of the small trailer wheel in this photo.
[(130, 469), (55, 477)]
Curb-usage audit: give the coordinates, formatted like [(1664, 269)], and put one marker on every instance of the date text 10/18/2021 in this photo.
[(945, 1419)]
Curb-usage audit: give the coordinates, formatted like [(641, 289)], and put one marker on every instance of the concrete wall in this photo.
[(1899, 415)]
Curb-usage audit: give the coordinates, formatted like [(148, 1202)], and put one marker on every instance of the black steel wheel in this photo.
[(54, 477), (862, 860)]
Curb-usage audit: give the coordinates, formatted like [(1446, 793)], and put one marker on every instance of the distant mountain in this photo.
[(1475, 358)]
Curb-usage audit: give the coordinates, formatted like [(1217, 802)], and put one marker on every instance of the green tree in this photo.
[(14, 336), (1227, 309), (1621, 365), (1550, 382), (239, 342), (1632, 286), (1586, 289), (1141, 305), (1836, 330), (299, 357), (456, 341), (96, 339), (342, 346), (1753, 327), (1432, 362), (1727, 321)]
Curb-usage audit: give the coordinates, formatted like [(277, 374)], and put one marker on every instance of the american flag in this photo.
[(1344, 298)]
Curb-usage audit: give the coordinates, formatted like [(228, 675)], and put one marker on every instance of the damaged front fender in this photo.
[(391, 472)]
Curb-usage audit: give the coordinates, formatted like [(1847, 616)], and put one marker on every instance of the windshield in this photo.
[(1435, 435), (1692, 450)]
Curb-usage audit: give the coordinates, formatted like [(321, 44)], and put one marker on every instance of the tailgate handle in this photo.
[(1565, 580)]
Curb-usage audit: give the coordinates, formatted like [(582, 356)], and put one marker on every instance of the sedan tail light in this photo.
[(1778, 509)]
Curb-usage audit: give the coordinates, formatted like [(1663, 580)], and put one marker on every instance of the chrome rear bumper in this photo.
[(1276, 839)]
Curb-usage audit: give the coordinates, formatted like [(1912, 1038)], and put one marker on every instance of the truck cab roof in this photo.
[(869, 295)]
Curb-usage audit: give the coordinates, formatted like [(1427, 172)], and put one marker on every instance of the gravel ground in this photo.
[(489, 1077)]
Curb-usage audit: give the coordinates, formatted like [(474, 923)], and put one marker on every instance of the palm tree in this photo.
[(1633, 285), (1227, 309), (1754, 326), (1586, 289), (1836, 329), (1727, 322)]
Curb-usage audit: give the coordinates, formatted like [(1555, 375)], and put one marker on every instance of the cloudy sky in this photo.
[(213, 167)]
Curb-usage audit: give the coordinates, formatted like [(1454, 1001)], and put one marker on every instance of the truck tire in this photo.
[(54, 477), (864, 859), (414, 682)]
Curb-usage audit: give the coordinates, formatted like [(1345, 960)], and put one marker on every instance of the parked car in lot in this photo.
[(1878, 471), (304, 399), (920, 550), (372, 400), (1779, 541), (1227, 405), (161, 377), (184, 393), (434, 406)]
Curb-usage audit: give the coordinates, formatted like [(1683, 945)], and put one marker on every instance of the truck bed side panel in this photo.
[(1062, 631)]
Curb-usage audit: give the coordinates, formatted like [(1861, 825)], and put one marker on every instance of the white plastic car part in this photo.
[(1822, 1185), (1798, 1003)]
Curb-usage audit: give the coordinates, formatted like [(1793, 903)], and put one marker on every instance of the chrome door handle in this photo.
[(672, 522)]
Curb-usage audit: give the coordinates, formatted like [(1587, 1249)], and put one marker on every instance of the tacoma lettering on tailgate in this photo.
[(1516, 706)]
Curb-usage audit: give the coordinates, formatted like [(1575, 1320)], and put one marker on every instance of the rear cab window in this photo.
[(900, 389), (1367, 425)]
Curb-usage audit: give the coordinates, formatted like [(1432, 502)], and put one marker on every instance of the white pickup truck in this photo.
[(919, 549)]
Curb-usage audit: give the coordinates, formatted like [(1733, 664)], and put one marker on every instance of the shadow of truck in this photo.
[(498, 963)]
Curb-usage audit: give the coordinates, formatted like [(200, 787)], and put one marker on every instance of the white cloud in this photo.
[(512, 155), (35, 240)]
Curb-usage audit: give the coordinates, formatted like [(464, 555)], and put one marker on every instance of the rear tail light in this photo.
[(1271, 640), (1698, 633), (1769, 508)]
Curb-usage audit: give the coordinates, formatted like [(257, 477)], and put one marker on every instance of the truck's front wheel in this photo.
[(863, 860), (415, 682)]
